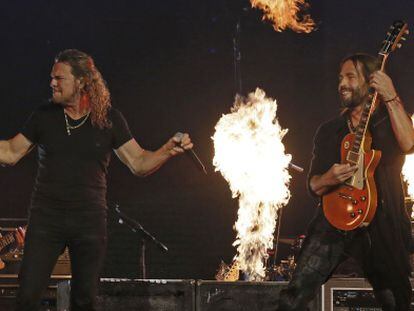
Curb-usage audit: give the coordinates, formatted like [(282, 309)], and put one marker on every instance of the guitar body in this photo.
[(353, 203)]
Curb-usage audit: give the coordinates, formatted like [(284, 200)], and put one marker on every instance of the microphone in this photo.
[(296, 168), (192, 154)]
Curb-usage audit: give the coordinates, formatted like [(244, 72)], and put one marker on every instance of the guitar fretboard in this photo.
[(362, 127)]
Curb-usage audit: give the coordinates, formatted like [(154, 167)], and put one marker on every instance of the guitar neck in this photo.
[(367, 111)]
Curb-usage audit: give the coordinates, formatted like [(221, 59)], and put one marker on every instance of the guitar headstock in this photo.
[(395, 36)]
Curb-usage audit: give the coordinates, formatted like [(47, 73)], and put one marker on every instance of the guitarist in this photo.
[(382, 248)]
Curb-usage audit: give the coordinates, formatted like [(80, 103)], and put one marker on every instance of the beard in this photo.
[(65, 99), (357, 97)]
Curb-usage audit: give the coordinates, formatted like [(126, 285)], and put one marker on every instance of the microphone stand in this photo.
[(136, 227), (237, 54), (237, 57)]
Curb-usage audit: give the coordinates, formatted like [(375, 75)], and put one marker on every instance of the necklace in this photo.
[(73, 127), (350, 126)]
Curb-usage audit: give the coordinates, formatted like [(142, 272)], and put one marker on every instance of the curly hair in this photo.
[(98, 95)]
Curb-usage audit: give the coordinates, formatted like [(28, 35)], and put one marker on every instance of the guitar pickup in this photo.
[(352, 157)]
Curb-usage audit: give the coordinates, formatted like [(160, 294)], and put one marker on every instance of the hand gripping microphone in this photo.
[(192, 154)]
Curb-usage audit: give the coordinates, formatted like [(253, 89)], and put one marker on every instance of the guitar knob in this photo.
[(363, 198), (346, 145), (355, 202), (352, 215), (360, 212)]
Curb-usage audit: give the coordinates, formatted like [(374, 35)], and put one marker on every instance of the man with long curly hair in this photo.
[(74, 135)]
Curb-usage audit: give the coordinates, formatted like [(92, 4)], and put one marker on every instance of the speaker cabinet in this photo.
[(143, 295), (9, 288), (241, 296)]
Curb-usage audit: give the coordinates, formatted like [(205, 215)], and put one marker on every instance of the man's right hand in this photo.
[(337, 174)]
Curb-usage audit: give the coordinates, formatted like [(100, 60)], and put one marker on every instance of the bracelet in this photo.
[(392, 99)]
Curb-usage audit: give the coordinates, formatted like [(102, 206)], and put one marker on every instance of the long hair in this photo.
[(368, 64), (365, 64), (95, 89)]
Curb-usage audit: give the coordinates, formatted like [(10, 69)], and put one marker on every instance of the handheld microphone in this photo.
[(296, 168), (197, 161)]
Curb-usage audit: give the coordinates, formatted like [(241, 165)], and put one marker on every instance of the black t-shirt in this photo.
[(72, 168)]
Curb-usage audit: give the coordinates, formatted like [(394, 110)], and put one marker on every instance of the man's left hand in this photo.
[(382, 83)]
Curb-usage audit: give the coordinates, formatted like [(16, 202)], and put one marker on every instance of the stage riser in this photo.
[(185, 295), (338, 294), (160, 295), (241, 296)]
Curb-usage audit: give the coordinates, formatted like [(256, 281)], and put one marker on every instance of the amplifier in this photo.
[(349, 294), (13, 259), (137, 294), (241, 296), (9, 287)]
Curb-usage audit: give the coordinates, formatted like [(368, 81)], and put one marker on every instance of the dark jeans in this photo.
[(49, 232), (323, 250)]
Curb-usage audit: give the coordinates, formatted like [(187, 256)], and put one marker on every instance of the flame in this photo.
[(285, 14), (250, 155), (408, 172)]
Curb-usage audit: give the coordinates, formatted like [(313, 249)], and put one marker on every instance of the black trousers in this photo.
[(49, 232), (323, 250)]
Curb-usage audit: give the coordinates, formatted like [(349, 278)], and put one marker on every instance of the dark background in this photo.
[(169, 66)]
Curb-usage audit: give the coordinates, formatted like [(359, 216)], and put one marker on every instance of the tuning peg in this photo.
[(392, 27), (407, 31), (399, 45), (388, 33), (403, 38)]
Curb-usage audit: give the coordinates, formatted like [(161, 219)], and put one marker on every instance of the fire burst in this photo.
[(285, 14), (408, 172), (250, 155)]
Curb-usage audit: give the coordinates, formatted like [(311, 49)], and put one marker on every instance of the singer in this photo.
[(75, 135)]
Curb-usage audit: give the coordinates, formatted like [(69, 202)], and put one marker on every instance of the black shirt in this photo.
[(390, 230), (72, 168), (328, 139)]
